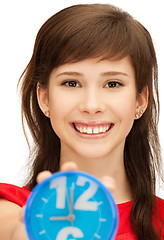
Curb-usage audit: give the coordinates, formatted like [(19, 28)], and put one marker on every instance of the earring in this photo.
[(47, 113), (139, 114)]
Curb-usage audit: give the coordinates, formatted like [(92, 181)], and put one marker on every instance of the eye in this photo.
[(113, 84), (71, 83)]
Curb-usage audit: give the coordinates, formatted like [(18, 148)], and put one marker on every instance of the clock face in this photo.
[(71, 205)]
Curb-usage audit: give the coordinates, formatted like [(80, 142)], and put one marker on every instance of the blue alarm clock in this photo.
[(71, 205)]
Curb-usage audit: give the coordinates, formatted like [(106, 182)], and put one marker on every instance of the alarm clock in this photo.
[(71, 205)]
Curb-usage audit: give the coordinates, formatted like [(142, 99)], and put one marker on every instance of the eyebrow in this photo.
[(70, 74), (110, 73), (114, 73)]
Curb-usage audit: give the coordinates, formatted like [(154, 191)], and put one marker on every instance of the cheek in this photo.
[(57, 116), (125, 106), (57, 103), (124, 115), (62, 100), (60, 106), (130, 106)]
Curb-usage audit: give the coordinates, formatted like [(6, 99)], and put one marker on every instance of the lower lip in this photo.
[(92, 136)]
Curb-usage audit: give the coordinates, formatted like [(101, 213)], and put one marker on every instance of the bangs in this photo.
[(92, 31)]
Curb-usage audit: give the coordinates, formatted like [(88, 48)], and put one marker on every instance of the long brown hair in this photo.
[(99, 31)]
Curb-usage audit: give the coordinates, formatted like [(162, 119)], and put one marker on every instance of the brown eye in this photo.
[(71, 84), (113, 84)]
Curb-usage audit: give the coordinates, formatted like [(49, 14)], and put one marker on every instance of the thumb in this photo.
[(109, 183)]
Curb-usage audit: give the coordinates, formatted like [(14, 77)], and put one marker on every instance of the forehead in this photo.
[(95, 66)]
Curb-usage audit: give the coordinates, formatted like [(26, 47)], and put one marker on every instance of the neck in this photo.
[(112, 166)]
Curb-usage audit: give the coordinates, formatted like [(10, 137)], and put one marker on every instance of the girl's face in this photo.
[(92, 106)]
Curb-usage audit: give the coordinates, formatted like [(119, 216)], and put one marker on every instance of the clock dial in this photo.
[(71, 205)]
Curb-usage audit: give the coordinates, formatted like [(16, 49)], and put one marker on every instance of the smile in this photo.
[(92, 129)]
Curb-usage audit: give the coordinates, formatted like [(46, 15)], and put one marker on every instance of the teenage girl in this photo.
[(90, 99)]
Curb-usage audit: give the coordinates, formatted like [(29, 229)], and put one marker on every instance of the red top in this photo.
[(125, 232)]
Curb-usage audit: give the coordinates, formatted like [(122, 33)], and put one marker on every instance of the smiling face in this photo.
[(92, 106)]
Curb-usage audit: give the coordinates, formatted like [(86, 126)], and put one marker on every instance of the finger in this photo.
[(108, 182), (68, 166), (43, 175)]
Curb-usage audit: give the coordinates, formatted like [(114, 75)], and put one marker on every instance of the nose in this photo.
[(92, 102)]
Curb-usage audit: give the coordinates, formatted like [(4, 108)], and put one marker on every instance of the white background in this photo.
[(19, 23)]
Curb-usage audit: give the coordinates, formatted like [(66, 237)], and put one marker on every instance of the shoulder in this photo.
[(160, 207), (160, 201), (158, 216), (14, 193)]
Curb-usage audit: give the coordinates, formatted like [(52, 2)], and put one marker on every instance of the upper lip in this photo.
[(92, 123)]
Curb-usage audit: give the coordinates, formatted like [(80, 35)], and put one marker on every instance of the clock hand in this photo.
[(59, 218), (70, 217), (71, 199)]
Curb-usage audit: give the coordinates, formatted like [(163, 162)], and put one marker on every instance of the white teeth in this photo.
[(104, 129), (81, 129), (92, 130), (95, 130), (89, 130)]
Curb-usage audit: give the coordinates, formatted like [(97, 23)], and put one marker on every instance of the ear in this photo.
[(142, 102), (42, 97)]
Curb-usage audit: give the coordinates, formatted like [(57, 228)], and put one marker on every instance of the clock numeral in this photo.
[(65, 232), (60, 185), (42, 232), (97, 236), (102, 220), (82, 203), (44, 200), (39, 215)]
